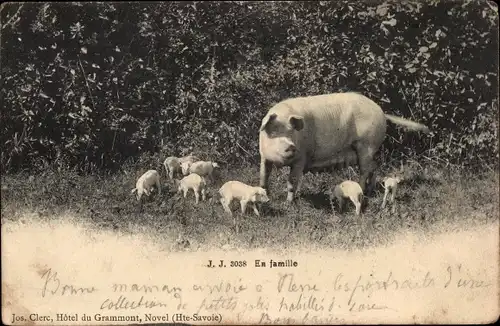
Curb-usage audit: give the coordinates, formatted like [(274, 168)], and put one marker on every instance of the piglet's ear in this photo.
[(297, 122), (267, 119)]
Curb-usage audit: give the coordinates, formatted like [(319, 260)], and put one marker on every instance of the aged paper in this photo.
[(59, 273)]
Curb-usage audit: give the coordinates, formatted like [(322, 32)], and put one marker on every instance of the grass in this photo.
[(431, 199)]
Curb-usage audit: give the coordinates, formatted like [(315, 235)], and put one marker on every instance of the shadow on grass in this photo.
[(318, 200), (268, 210), (421, 180), (404, 198)]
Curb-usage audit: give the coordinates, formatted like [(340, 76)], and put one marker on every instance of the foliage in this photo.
[(92, 85)]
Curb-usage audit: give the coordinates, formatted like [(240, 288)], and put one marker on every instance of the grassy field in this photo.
[(431, 199)]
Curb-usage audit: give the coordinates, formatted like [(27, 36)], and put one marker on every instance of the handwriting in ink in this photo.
[(286, 283), (53, 284)]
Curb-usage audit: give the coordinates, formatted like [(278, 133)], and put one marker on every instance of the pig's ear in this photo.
[(267, 119), (297, 122)]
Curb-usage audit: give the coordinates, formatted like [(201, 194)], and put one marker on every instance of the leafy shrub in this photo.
[(94, 85)]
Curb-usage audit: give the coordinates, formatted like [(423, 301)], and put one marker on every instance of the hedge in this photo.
[(91, 85)]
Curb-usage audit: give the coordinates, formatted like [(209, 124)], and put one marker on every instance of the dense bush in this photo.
[(91, 85)]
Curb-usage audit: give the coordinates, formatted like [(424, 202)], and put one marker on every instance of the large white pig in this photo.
[(318, 132)]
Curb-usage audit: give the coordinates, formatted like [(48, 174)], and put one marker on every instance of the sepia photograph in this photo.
[(250, 162)]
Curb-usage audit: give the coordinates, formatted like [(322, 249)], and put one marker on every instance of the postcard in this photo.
[(235, 163)]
